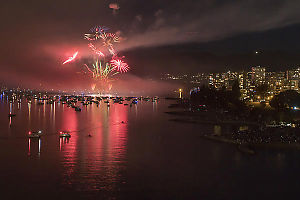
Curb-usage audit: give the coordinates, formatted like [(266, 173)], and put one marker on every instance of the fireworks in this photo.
[(108, 39), (97, 31), (98, 71), (119, 65), (102, 29), (101, 70), (98, 52), (70, 59)]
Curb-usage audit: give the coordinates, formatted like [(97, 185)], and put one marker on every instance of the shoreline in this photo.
[(214, 122), (248, 147), (252, 148)]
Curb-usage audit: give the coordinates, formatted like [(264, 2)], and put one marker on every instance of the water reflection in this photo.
[(63, 141), (154, 104), (94, 162), (39, 147), (10, 112), (10, 121), (29, 145), (29, 112), (156, 158), (34, 147), (69, 123)]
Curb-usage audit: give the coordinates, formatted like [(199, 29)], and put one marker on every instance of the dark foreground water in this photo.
[(146, 157)]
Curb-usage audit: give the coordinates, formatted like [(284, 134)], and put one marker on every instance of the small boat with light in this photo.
[(135, 101), (64, 134), (36, 134), (11, 115)]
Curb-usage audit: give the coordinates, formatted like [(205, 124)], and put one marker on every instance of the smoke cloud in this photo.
[(115, 7)]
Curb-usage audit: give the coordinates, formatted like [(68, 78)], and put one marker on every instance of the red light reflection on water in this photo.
[(10, 112), (116, 145), (34, 146), (60, 143), (94, 163), (29, 146), (117, 133), (69, 123)]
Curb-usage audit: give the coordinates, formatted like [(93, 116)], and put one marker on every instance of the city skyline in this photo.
[(248, 81)]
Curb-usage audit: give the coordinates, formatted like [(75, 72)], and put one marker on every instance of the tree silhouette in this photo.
[(288, 98)]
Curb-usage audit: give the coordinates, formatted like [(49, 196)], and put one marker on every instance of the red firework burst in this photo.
[(119, 65)]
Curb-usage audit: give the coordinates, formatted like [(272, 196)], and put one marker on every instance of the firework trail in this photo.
[(70, 59), (102, 72), (98, 52)]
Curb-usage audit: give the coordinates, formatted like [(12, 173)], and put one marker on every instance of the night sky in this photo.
[(157, 36)]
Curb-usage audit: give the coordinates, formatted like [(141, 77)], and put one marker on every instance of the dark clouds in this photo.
[(37, 35)]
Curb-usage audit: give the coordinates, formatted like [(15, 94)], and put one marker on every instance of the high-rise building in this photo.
[(293, 77), (258, 75), (293, 74)]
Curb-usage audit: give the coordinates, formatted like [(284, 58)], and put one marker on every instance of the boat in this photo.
[(135, 101), (64, 134), (78, 109), (36, 134), (11, 115)]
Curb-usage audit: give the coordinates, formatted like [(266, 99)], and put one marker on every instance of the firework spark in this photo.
[(98, 52), (110, 37), (101, 72), (70, 59), (119, 65)]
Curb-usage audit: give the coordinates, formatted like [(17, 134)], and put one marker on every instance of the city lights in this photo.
[(255, 85)]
